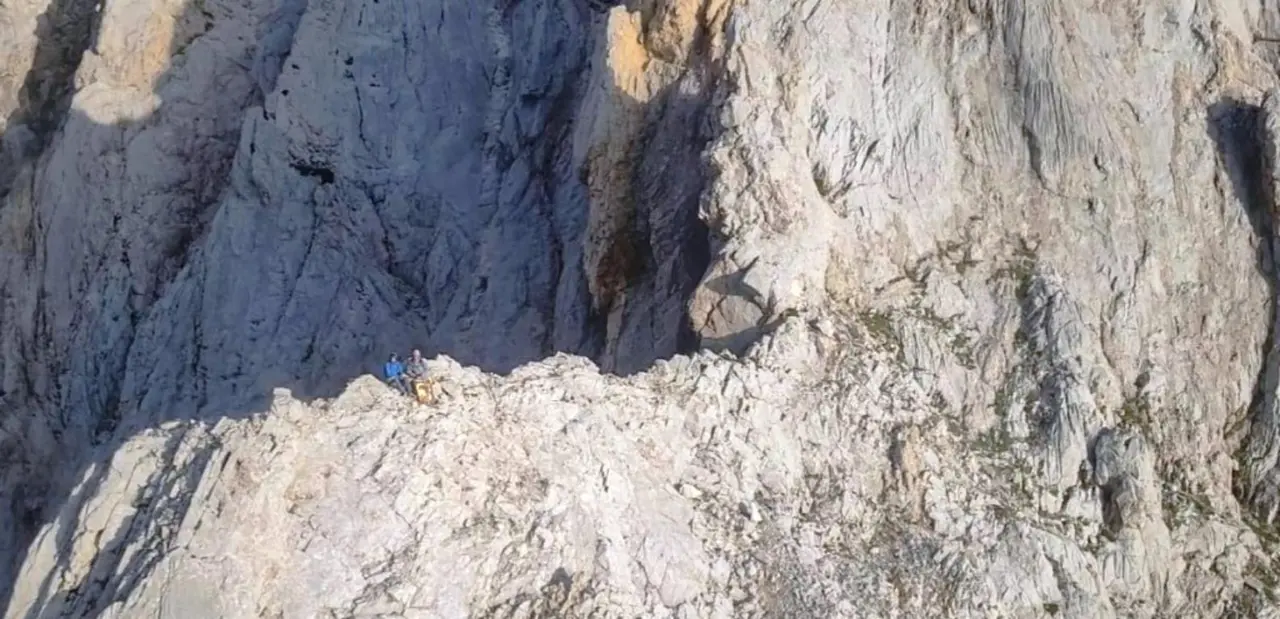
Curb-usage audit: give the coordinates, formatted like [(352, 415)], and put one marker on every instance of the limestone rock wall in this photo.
[(705, 487), (241, 198), (993, 285)]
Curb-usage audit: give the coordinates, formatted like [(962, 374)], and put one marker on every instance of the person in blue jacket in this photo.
[(393, 370)]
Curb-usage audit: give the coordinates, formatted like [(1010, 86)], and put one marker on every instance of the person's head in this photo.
[(417, 354), (394, 358)]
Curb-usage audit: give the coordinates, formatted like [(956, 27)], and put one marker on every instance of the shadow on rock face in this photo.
[(1242, 134), (288, 222), (113, 574), (65, 31), (1238, 130)]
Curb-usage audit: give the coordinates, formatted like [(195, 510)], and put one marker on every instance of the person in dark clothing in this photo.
[(393, 370)]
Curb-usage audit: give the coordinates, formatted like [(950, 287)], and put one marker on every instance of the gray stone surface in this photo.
[(984, 291)]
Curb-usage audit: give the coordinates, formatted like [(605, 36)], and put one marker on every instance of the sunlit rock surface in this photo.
[(802, 309)]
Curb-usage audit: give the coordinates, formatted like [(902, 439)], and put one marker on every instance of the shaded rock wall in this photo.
[(238, 199)]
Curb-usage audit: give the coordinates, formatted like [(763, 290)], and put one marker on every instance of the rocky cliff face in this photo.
[(983, 293)]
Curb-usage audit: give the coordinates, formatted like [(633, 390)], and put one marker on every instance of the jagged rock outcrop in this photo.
[(985, 294), (706, 487)]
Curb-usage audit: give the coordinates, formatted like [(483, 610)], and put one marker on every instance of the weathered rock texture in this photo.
[(985, 293)]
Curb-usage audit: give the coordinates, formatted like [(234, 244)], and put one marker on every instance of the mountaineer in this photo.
[(417, 366), (416, 370), (394, 373)]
